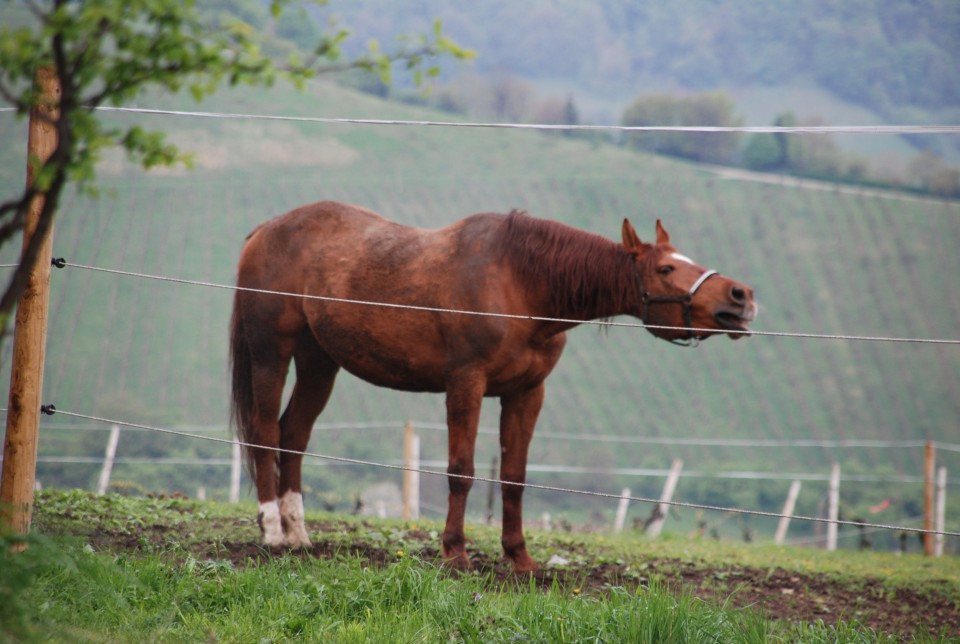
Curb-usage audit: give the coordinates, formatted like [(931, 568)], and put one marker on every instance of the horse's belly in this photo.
[(396, 376), (404, 367), (406, 351)]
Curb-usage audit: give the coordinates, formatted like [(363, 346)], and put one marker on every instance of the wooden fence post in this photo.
[(833, 509), (784, 524), (108, 458), (30, 331), (235, 471), (655, 524), (621, 517), (492, 490), (929, 461), (411, 477), (941, 511)]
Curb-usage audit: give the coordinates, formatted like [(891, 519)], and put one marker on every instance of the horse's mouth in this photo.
[(731, 321)]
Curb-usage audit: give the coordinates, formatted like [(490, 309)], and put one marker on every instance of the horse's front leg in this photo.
[(464, 398), (518, 417)]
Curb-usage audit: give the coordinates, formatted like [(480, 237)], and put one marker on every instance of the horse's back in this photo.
[(346, 247), (280, 250), (309, 224)]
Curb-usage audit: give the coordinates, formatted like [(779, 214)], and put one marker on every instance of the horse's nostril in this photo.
[(738, 294)]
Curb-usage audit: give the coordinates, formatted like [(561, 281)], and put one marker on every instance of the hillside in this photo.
[(822, 261), (889, 60)]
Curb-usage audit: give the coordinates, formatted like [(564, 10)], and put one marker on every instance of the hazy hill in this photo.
[(848, 63), (887, 55), (822, 261)]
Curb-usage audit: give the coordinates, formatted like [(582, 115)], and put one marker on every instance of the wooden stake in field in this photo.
[(235, 471), (491, 491), (621, 516), (941, 511), (833, 507), (784, 525), (30, 330), (655, 524), (411, 475), (108, 457), (929, 461)]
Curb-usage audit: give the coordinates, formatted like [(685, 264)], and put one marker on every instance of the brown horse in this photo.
[(542, 276)]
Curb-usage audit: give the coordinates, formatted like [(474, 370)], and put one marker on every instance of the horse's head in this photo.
[(677, 292)]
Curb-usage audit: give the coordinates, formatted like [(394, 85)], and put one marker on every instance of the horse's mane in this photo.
[(583, 273)]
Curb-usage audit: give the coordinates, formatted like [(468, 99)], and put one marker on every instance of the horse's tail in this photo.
[(241, 392)]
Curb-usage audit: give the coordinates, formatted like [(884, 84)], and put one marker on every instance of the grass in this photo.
[(63, 588), (100, 596), (126, 599)]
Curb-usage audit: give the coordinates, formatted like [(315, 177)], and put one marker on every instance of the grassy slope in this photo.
[(823, 262)]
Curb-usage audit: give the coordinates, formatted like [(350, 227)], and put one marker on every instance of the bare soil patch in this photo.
[(780, 594)]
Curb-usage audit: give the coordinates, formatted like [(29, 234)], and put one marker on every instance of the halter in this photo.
[(686, 300)]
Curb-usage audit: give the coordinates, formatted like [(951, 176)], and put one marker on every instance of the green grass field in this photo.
[(123, 569), (821, 261)]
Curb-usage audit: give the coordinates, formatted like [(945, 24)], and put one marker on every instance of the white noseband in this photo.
[(700, 280)]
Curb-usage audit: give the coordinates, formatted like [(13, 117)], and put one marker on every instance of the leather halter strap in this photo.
[(686, 300)]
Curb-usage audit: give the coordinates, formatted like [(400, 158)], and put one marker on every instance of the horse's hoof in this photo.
[(525, 567), (298, 544), (297, 539), (274, 543), (458, 561), (522, 561)]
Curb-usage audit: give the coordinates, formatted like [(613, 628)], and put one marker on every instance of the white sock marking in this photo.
[(269, 519), (291, 509)]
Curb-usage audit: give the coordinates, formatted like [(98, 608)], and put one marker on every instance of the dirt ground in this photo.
[(779, 594)]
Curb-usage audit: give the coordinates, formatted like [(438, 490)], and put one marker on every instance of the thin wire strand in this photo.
[(799, 541), (818, 129), (761, 129), (433, 309), (593, 438), (531, 467), (133, 460), (533, 486), (573, 469), (692, 442)]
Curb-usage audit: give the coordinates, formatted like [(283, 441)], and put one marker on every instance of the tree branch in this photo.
[(365, 63), (10, 97), (19, 209)]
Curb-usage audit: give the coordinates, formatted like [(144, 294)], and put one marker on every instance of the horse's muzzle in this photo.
[(736, 318)]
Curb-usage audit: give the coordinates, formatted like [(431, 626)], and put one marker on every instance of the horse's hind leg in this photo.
[(464, 398), (315, 373), (269, 374), (518, 416)]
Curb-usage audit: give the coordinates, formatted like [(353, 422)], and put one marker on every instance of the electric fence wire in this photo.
[(532, 486), (433, 309)]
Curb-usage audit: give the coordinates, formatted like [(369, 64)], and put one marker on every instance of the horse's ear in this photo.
[(662, 236), (630, 239)]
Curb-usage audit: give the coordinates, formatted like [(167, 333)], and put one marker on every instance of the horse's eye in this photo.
[(665, 270)]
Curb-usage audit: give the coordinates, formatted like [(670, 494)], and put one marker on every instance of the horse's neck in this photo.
[(603, 287), (571, 274)]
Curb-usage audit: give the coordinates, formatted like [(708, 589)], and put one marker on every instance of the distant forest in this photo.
[(895, 57), (898, 58)]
